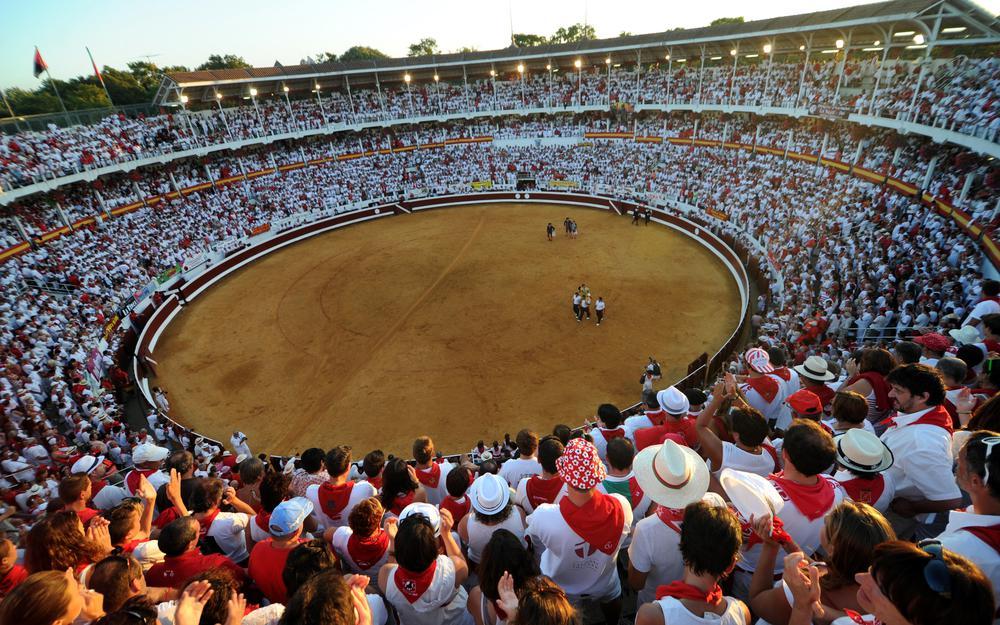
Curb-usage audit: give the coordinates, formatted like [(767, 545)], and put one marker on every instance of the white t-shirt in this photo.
[(601, 440), (339, 541), (228, 531), (360, 492), (985, 307), (923, 460), (674, 613), (515, 469), (521, 496), (572, 563), (655, 550), (437, 494), (740, 460), (440, 604), (967, 544)]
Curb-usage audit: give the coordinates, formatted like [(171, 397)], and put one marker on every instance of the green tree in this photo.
[(362, 53), (145, 73), (85, 95), (224, 61), (326, 57), (465, 49), (25, 102), (425, 47), (727, 20), (571, 34), (124, 87), (525, 40), (625, 33)]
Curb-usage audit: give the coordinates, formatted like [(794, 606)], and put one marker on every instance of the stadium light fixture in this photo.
[(840, 44), (493, 73), (919, 46), (184, 99), (317, 86), (918, 39), (668, 57), (285, 89), (802, 48), (877, 42), (407, 78), (828, 51), (767, 48), (253, 92), (607, 61), (436, 78), (714, 58), (905, 33), (218, 96), (681, 60), (873, 49), (954, 29), (732, 52), (520, 68), (578, 63), (752, 56), (548, 66)]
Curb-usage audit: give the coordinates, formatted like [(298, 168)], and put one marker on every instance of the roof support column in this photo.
[(350, 98), (881, 68), (381, 102), (670, 72), (732, 79), (465, 86), (843, 66), (805, 66), (701, 73), (767, 76), (638, 76), (931, 41), (322, 109)]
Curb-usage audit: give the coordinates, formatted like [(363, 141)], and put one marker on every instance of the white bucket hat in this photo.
[(673, 401), (489, 494), (752, 495), (861, 450), (968, 335), (815, 368), (672, 475)]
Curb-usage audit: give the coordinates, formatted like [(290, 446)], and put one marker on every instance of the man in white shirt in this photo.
[(334, 499), (764, 392), (526, 464), (989, 304), (920, 439), (975, 531), (431, 473), (239, 442), (582, 534)]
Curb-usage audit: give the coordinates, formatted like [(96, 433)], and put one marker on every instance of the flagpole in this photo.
[(6, 103), (99, 77), (52, 82)]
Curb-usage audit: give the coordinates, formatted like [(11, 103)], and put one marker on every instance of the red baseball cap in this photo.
[(933, 341), (805, 403)]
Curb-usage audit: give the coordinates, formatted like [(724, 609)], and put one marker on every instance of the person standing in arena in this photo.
[(577, 298), (566, 223), (599, 309), (584, 308), (550, 231)]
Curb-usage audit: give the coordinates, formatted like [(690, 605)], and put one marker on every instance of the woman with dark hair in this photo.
[(539, 602), (866, 376), (50, 598), (424, 586), (306, 560), (58, 542), (139, 610), (274, 489), (503, 554), (986, 416), (327, 599), (400, 487), (850, 533), (907, 584)]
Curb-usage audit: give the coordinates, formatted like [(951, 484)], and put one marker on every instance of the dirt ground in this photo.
[(455, 323)]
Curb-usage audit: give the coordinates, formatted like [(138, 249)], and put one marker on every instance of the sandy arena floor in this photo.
[(455, 323)]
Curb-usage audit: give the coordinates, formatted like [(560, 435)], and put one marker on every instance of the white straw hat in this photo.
[(672, 475), (861, 450), (489, 494)]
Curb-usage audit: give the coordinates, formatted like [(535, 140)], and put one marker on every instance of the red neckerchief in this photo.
[(366, 552), (205, 524), (862, 620), (458, 509), (990, 298), (812, 501), (634, 491), (783, 373), (333, 499), (825, 394), (989, 534), (656, 417), (376, 482), (401, 501), (612, 434), (670, 517), (938, 415), (864, 490), (598, 522), (413, 585), (773, 453), (766, 386), (134, 477), (879, 386), (263, 519), (683, 590), (430, 477), (991, 346), (541, 491), (750, 537)]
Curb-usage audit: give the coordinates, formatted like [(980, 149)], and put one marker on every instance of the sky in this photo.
[(186, 32)]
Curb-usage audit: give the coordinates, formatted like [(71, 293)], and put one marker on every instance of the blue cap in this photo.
[(288, 516)]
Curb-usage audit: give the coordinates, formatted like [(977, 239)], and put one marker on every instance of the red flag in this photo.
[(97, 72), (40, 65)]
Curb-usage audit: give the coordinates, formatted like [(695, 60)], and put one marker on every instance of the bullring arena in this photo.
[(454, 321)]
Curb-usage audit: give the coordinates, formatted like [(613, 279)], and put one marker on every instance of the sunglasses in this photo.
[(936, 572)]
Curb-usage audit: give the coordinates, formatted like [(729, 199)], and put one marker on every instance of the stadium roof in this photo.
[(940, 22)]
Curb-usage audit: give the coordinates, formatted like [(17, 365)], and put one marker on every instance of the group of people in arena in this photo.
[(840, 472), (957, 94)]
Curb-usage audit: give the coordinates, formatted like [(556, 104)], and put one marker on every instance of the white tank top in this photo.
[(674, 613), (479, 534)]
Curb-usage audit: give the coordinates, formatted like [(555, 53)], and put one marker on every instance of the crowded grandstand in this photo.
[(831, 463)]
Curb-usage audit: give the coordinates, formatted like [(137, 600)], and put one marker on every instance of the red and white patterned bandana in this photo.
[(580, 466)]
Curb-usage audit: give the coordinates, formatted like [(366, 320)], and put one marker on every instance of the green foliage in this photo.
[(362, 53), (425, 47), (572, 34), (85, 96), (524, 40), (727, 20), (224, 61), (464, 49), (625, 33)]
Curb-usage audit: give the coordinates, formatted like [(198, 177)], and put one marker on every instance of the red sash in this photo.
[(656, 417), (865, 491), (458, 509), (205, 524), (430, 477), (812, 501), (333, 499), (401, 501), (134, 477), (989, 534), (598, 522), (783, 373), (541, 491), (366, 552), (862, 620), (634, 491), (618, 432), (766, 386), (263, 519), (938, 415), (750, 537), (671, 517), (682, 590), (413, 585), (825, 394), (879, 386)]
